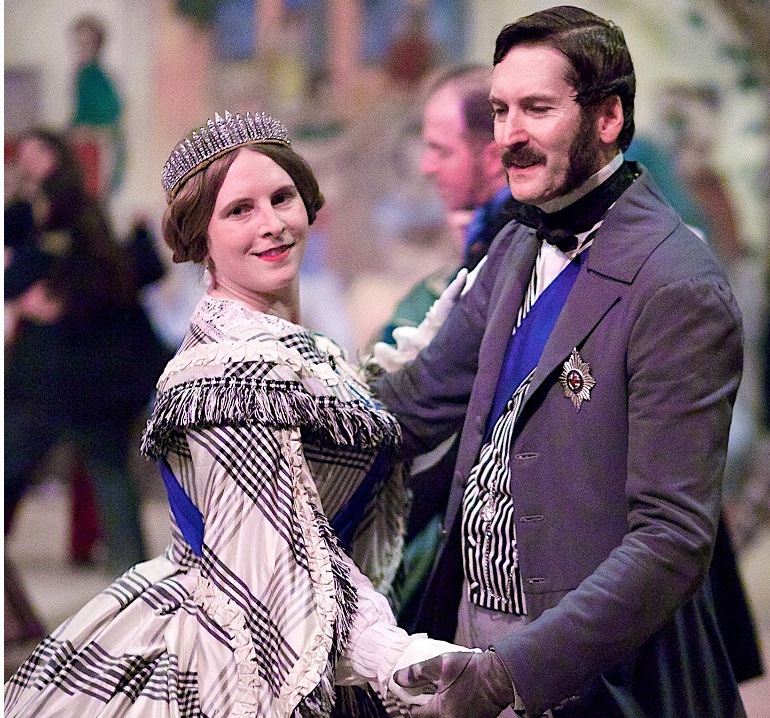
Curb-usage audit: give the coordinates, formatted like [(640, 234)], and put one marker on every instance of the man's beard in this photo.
[(583, 153)]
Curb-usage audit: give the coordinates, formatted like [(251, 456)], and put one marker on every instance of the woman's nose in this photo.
[(270, 222)]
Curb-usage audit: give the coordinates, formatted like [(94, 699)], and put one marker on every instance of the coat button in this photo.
[(524, 456), (531, 519), (536, 580)]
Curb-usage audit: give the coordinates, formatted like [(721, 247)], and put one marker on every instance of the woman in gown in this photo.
[(281, 471)]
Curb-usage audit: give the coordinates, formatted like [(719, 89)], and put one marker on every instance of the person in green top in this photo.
[(97, 104)]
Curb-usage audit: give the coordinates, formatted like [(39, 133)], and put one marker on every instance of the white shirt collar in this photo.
[(554, 205)]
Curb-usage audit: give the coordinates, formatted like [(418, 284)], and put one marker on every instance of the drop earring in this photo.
[(208, 280)]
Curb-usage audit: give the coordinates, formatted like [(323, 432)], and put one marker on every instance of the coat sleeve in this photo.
[(684, 362), (430, 395)]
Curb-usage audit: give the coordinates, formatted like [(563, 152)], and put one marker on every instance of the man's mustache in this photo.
[(523, 156)]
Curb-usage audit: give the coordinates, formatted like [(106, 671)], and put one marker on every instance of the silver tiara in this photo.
[(218, 136)]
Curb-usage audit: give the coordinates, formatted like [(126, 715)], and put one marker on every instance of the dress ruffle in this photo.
[(223, 612)]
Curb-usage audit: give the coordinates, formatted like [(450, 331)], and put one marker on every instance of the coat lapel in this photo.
[(491, 353), (590, 299), (501, 322), (612, 265)]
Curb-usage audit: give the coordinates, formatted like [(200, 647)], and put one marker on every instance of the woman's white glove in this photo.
[(410, 341)]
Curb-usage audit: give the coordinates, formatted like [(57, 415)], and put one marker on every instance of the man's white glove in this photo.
[(410, 341)]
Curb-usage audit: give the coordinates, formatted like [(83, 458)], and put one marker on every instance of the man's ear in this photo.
[(609, 119)]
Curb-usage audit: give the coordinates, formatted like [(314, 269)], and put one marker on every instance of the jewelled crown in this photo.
[(216, 137)]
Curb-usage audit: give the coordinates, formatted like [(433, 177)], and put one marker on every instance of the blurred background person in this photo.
[(97, 107), (460, 158), (84, 374)]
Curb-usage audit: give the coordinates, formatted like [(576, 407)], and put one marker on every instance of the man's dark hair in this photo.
[(471, 82), (600, 64)]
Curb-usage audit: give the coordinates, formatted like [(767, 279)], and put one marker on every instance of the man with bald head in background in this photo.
[(463, 162)]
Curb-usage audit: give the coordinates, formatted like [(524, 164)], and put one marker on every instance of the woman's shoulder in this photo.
[(239, 367), (225, 335)]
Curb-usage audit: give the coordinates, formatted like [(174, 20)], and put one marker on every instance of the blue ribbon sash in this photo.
[(527, 343)]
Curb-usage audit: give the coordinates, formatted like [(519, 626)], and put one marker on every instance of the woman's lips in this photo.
[(275, 254)]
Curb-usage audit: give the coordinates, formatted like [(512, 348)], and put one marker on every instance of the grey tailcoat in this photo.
[(616, 503)]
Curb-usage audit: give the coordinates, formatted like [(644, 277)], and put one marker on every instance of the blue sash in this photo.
[(347, 520), (345, 523), (188, 517), (526, 345)]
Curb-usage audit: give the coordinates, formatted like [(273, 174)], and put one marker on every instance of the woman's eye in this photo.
[(282, 197), (238, 210)]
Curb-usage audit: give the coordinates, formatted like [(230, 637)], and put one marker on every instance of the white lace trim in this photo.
[(244, 350), (314, 654), (307, 672), (222, 611)]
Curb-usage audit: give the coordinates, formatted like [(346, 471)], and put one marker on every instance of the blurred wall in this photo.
[(163, 66)]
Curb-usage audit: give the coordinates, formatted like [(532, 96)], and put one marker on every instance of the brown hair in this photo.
[(187, 217), (471, 82), (600, 64)]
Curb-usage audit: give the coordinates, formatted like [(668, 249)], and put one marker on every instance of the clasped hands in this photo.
[(463, 685)]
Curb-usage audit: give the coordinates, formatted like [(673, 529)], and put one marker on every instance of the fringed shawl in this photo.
[(239, 369), (238, 366)]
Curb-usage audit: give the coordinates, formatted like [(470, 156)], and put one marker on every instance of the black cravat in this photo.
[(559, 228)]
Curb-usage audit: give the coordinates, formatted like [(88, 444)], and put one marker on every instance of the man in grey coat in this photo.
[(592, 368)]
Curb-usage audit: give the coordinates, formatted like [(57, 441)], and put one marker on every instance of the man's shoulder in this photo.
[(511, 239), (643, 236)]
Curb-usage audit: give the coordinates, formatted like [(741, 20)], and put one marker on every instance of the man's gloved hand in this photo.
[(465, 685), (440, 309), (411, 340)]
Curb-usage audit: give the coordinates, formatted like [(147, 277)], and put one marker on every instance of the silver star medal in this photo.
[(576, 380)]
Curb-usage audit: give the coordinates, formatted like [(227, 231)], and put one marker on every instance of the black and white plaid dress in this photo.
[(268, 430)]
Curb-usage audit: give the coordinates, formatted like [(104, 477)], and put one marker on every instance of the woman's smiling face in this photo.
[(257, 234)]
